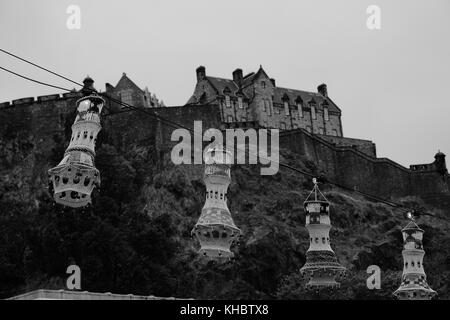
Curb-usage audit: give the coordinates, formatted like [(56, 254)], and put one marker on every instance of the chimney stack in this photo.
[(201, 73), (237, 76), (322, 89)]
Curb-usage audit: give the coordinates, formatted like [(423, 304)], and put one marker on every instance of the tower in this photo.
[(321, 267), (215, 228), (414, 284), (74, 178), (440, 164)]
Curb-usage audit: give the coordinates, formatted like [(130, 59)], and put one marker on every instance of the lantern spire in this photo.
[(322, 267), (414, 284)]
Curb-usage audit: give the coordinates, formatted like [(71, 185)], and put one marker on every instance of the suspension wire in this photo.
[(40, 67), (171, 123), (33, 80)]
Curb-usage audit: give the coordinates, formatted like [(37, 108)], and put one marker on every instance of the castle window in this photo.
[(263, 84), (313, 112), (126, 97), (277, 110), (264, 105), (229, 118), (286, 108), (269, 108), (227, 101), (283, 126), (240, 103), (326, 115), (300, 109), (321, 130)]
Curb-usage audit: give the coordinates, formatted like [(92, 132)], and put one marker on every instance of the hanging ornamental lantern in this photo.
[(74, 178), (322, 267), (414, 284), (215, 228)]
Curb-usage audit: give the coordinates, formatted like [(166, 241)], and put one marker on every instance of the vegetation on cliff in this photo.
[(135, 238)]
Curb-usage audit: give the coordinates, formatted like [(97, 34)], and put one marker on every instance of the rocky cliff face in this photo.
[(135, 238)]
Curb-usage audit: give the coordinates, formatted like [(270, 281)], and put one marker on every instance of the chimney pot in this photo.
[(201, 73), (237, 76), (322, 89)]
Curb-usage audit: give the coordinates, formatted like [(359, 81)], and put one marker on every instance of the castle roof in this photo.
[(125, 82), (221, 84)]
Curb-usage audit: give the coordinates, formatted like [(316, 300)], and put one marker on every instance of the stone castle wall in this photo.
[(46, 121)]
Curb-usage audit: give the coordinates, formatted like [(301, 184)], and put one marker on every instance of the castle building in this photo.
[(256, 98), (414, 284), (74, 178), (321, 267), (215, 228), (128, 92)]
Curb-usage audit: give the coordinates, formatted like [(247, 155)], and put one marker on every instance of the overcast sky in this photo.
[(391, 84)]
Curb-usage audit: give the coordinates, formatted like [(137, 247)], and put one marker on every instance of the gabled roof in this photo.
[(126, 82), (305, 96), (221, 84)]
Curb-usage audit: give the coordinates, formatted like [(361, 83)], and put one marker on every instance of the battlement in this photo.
[(38, 99)]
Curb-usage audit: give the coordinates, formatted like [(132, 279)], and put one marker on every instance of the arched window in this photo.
[(240, 103), (263, 84), (313, 112), (286, 108), (300, 109), (325, 114), (227, 101)]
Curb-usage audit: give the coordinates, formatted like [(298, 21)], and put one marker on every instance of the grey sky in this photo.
[(391, 84)]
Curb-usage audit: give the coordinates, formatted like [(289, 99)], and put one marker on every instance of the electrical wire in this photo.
[(171, 123)]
